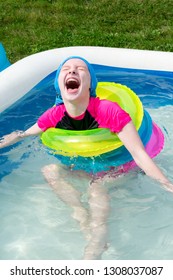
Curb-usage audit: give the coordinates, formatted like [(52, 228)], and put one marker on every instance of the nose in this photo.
[(72, 72)]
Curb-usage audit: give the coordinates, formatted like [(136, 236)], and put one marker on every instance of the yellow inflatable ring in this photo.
[(94, 142)]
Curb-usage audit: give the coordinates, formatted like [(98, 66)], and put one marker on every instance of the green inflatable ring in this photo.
[(94, 142)]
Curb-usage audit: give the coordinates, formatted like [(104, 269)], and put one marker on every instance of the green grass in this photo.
[(28, 27)]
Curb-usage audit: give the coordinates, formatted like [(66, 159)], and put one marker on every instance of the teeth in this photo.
[(72, 79)]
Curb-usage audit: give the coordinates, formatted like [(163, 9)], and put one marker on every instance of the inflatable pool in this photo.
[(137, 202)]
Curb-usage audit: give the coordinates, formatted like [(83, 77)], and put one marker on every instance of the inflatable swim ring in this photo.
[(102, 145), (94, 142)]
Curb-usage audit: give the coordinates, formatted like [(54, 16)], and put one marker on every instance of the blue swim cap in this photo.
[(93, 84)]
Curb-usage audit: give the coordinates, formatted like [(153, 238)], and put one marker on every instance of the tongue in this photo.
[(72, 90)]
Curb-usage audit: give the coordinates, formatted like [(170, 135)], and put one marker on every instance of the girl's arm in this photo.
[(134, 145), (16, 136)]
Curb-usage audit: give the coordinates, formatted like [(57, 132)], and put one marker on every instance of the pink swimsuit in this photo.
[(99, 114)]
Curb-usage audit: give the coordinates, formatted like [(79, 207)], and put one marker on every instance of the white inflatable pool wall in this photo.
[(22, 76)]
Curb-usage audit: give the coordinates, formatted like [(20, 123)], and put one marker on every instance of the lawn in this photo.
[(27, 27)]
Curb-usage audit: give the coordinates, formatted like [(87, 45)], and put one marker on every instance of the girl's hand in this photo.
[(10, 139), (168, 186)]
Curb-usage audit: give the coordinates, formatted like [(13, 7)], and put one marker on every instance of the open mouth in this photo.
[(72, 84)]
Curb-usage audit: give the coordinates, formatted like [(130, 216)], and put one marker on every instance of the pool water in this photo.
[(35, 224)]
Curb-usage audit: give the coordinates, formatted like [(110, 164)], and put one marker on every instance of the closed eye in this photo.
[(64, 68), (82, 68)]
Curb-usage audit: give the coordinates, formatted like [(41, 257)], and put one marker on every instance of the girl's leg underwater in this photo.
[(56, 176), (99, 212)]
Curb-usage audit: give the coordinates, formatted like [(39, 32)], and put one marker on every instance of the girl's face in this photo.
[(74, 80)]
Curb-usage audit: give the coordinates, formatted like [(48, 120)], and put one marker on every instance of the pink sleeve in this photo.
[(112, 116), (50, 118)]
